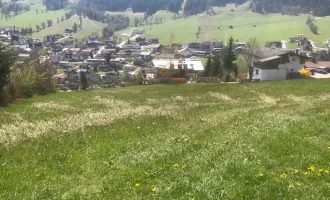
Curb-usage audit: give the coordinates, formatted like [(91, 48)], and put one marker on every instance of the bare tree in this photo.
[(253, 53)]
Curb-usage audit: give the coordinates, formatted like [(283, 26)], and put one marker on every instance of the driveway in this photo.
[(319, 76)]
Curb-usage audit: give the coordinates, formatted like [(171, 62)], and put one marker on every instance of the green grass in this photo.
[(292, 45), (99, 144), (269, 27), (31, 18), (89, 27)]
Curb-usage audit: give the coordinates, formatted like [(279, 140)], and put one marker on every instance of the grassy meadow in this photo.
[(31, 18), (89, 27), (269, 27), (194, 141)]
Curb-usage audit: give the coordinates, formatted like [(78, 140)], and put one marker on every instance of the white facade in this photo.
[(281, 72)]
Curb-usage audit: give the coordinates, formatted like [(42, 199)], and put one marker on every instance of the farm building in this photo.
[(275, 64)]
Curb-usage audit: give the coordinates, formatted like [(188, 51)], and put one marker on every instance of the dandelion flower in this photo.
[(175, 165), (306, 173), (320, 170), (282, 175), (319, 174), (296, 171), (261, 174), (326, 171), (154, 189), (329, 147), (137, 185), (312, 168)]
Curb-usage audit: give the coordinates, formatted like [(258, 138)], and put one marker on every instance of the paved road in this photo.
[(320, 76), (124, 42)]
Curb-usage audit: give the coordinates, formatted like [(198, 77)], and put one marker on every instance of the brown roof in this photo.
[(317, 64)]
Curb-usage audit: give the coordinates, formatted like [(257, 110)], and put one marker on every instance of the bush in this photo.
[(27, 80), (305, 73), (230, 78), (5, 63), (209, 80)]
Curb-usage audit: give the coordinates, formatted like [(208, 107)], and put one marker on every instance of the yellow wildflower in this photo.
[(319, 174), (326, 171), (296, 171), (261, 174), (320, 170), (312, 168), (282, 175), (306, 173), (154, 189), (329, 147), (137, 185), (175, 165), (187, 181), (183, 166)]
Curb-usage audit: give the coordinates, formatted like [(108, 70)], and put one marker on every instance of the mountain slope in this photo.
[(318, 8)]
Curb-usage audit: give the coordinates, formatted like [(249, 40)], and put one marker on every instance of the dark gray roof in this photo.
[(265, 52), (269, 52)]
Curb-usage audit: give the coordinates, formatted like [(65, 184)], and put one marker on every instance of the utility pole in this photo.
[(171, 49)]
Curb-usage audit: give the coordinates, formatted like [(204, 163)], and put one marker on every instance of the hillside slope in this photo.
[(192, 141)]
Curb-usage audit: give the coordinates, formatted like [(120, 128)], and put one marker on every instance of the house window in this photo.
[(293, 59), (257, 71)]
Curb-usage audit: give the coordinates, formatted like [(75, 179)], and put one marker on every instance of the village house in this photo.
[(275, 64), (193, 67)]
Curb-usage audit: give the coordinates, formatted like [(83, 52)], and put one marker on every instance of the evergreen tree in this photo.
[(208, 67), (5, 62), (217, 68), (83, 80), (75, 27), (230, 58)]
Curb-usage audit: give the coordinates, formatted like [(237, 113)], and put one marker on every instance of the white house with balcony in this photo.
[(271, 64)]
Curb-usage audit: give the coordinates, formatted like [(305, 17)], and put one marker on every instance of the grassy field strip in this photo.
[(89, 27), (196, 141), (31, 19)]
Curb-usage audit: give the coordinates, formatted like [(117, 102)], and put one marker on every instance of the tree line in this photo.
[(16, 8), (294, 7), (193, 7), (223, 66), (150, 6), (55, 4), (310, 23)]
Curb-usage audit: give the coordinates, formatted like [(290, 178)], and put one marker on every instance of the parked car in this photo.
[(321, 70)]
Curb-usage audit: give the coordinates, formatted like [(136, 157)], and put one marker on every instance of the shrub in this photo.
[(209, 80), (29, 79), (305, 73)]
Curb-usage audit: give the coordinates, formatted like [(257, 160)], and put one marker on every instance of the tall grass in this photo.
[(193, 141)]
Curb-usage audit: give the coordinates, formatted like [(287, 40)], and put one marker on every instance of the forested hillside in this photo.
[(152, 6), (318, 7), (55, 4), (197, 6)]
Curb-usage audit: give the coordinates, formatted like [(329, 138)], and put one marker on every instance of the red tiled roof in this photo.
[(317, 64)]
